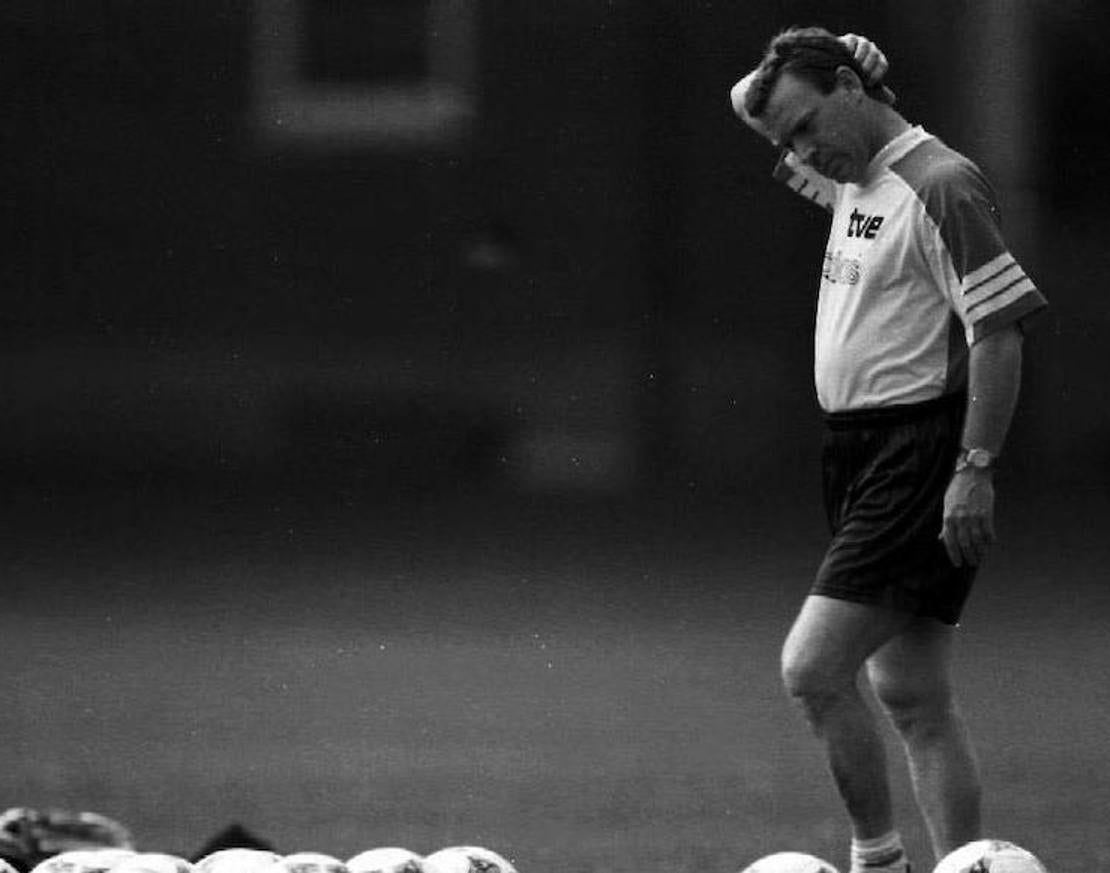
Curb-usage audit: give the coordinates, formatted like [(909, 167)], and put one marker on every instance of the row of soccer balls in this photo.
[(453, 859), (981, 856)]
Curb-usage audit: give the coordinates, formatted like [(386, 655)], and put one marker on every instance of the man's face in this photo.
[(826, 131)]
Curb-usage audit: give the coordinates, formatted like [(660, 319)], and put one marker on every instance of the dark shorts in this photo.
[(885, 472)]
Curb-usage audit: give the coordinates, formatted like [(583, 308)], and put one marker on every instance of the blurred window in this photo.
[(365, 41), (362, 73)]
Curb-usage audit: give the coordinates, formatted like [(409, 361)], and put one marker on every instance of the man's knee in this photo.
[(812, 686), (915, 708), (828, 644)]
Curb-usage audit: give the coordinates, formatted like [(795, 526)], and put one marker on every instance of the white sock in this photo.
[(877, 851)]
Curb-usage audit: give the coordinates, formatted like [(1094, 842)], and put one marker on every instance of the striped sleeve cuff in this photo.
[(997, 294), (805, 182)]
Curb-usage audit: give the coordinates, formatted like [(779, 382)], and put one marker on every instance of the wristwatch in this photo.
[(975, 459)]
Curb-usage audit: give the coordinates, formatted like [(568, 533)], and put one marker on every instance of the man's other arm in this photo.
[(994, 382)]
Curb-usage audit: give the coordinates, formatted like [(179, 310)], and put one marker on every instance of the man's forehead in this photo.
[(790, 98)]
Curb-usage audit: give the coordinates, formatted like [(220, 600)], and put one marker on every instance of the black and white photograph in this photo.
[(611, 436)]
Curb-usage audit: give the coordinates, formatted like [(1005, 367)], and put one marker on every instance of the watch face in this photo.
[(979, 458)]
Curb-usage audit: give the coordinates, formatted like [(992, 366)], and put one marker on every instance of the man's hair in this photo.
[(813, 54)]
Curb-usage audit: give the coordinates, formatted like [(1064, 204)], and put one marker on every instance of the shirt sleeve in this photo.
[(805, 181), (993, 291)]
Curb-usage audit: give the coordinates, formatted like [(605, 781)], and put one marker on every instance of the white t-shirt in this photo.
[(915, 272)]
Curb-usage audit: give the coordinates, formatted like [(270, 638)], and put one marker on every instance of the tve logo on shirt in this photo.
[(864, 226)]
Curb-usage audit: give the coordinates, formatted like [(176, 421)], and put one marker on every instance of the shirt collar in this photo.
[(896, 149)]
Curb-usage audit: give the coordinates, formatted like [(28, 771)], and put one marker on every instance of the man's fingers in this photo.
[(984, 537), (948, 537), (977, 543), (967, 539), (868, 55), (988, 530)]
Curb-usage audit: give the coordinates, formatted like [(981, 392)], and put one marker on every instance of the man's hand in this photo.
[(868, 55), (871, 60), (968, 530)]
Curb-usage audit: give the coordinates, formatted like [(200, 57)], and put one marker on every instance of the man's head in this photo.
[(811, 96)]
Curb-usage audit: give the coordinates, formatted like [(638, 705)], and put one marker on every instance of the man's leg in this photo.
[(822, 657), (911, 679)]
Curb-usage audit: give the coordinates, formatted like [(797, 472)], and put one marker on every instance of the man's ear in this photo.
[(847, 78)]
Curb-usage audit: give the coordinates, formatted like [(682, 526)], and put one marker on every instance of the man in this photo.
[(918, 353)]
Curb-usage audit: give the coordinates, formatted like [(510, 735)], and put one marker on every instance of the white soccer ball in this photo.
[(106, 858), (990, 856), (467, 859), (308, 862), (386, 859), (790, 862), (83, 861), (153, 862), (237, 860)]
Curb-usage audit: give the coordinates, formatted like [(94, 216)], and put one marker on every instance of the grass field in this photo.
[(586, 686)]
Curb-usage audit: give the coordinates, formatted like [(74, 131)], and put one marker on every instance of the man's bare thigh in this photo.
[(834, 638)]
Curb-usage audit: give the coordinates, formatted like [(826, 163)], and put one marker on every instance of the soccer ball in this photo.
[(83, 861), (152, 862), (43, 834), (790, 862), (237, 860), (467, 859), (387, 859), (308, 862), (107, 858), (990, 856)]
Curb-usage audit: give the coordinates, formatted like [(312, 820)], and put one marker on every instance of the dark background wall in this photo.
[(181, 297)]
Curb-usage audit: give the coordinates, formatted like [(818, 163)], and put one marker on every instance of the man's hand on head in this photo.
[(871, 60), (868, 55)]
